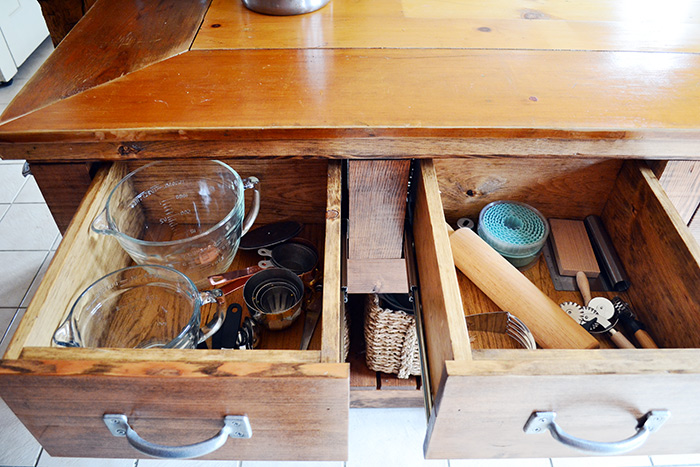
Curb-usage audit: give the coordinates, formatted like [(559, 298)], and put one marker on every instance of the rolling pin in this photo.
[(513, 292)]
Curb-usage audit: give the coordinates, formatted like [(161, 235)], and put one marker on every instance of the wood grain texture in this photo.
[(443, 316), (660, 256), (116, 38), (597, 394), (467, 185), (681, 182), (386, 399), (515, 91), (63, 187), (349, 144), (377, 276), (377, 193), (572, 248), (201, 356), (180, 403), (332, 320), (505, 24)]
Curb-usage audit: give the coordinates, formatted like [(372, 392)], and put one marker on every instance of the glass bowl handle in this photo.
[(212, 296), (254, 183)]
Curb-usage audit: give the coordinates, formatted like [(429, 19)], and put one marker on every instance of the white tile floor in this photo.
[(378, 437)]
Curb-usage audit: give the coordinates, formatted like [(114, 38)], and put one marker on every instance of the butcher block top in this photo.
[(367, 78)]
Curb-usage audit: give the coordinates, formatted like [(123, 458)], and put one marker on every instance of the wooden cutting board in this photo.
[(572, 248)]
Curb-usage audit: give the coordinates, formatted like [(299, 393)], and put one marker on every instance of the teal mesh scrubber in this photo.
[(517, 231)]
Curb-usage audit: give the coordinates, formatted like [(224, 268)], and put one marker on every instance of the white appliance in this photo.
[(22, 29)]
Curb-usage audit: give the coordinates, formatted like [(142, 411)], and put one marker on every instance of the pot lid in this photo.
[(270, 234)]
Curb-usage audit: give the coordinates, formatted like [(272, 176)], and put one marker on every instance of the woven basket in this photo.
[(391, 340), (345, 332)]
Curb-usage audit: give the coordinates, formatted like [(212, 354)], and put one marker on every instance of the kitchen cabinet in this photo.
[(560, 106), (23, 29)]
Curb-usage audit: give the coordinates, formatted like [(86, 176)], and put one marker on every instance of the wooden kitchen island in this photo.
[(576, 108)]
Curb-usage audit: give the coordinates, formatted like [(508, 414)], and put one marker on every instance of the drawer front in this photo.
[(485, 404), (296, 412), (296, 401), (483, 397)]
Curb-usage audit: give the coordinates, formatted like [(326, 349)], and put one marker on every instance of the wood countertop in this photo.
[(367, 78)]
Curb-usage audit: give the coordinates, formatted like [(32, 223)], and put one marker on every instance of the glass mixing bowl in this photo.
[(141, 307), (188, 216)]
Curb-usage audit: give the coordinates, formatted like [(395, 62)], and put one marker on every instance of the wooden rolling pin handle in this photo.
[(510, 290), (620, 340), (645, 339), (584, 286)]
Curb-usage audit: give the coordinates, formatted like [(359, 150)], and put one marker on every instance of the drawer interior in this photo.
[(289, 191), (655, 250), (469, 369)]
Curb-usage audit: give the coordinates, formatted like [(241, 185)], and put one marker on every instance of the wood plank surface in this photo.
[(597, 395), (558, 187), (377, 193), (503, 24), (659, 254), (62, 404), (117, 37), (377, 276), (517, 94), (443, 316), (355, 143), (332, 320)]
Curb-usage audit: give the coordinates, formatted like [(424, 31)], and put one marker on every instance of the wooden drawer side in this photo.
[(659, 253), (443, 316), (80, 260)]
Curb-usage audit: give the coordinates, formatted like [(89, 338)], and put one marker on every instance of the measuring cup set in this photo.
[(180, 224)]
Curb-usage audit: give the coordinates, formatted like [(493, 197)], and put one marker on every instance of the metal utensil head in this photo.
[(581, 314), (605, 312)]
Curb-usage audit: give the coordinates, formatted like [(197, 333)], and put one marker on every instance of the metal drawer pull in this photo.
[(649, 423), (235, 426)]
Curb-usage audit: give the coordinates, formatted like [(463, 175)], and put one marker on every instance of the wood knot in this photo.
[(332, 214), (484, 29), (127, 149), (534, 14)]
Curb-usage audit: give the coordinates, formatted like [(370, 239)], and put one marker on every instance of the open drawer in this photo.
[(482, 398), (296, 401)]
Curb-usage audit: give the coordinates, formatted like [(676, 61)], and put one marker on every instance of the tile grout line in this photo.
[(24, 183), (24, 297)]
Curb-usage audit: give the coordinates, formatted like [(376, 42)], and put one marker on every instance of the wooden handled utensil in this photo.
[(631, 324), (512, 291), (605, 313)]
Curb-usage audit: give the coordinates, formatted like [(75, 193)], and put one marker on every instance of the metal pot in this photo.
[(284, 7)]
